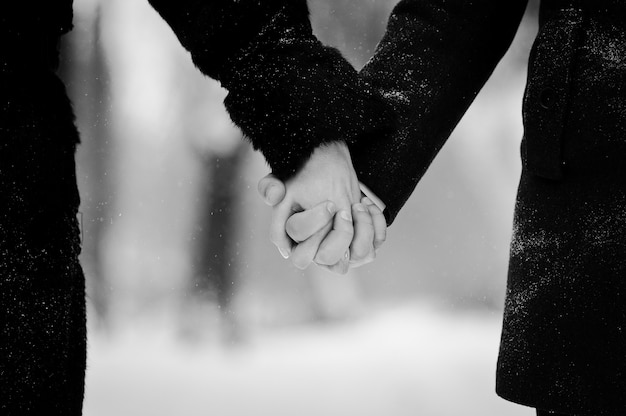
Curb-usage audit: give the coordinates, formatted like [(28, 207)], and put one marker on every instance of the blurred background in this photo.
[(192, 311)]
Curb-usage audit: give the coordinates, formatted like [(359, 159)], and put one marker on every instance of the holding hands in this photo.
[(320, 216)]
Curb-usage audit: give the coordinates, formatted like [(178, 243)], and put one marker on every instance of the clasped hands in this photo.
[(320, 215)]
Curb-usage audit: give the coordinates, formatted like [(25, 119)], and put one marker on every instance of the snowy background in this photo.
[(192, 311)]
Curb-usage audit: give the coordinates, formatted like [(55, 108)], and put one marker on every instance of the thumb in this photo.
[(272, 190), (302, 225)]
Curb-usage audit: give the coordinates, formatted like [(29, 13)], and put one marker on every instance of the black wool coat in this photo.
[(42, 299), (287, 92), (563, 345)]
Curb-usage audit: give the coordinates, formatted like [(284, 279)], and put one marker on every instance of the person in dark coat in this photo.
[(563, 345), (291, 96)]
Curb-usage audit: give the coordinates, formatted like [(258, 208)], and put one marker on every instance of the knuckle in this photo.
[(325, 218), (323, 258), (369, 258), (374, 210), (300, 262), (323, 214), (347, 233), (339, 268), (359, 253), (328, 268), (364, 218), (332, 268), (367, 261)]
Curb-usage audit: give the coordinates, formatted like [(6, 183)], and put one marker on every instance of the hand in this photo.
[(328, 176), (370, 227), (310, 226), (370, 232)]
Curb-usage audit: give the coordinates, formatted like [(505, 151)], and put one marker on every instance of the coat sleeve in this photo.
[(287, 92), (434, 58)]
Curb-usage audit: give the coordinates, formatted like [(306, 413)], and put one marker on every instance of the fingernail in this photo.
[(367, 201), (359, 207), (345, 215), (330, 207), (284, 253)]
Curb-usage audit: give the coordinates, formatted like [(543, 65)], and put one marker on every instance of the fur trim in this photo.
[(287, 92), (290, 94)]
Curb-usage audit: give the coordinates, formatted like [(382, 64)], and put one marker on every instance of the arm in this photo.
[(434, 58), (287, 92), (429, 67)]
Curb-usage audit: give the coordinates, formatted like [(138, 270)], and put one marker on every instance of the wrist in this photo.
[(328, 174)]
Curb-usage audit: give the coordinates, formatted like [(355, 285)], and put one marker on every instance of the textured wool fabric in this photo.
[(42, 302), (563, 340), (21, 20), (287, 92), (429, 67), (42, 299), (546, 413)]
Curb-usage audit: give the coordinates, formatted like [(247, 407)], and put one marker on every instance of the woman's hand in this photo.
[(319, 215)]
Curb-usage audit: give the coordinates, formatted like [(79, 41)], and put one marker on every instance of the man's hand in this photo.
[(327, 175), (306, 232)]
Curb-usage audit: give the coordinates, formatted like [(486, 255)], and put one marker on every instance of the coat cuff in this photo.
[(290, 94), (378, 174)]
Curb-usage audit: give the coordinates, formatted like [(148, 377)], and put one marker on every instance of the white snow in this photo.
[(411, 360)]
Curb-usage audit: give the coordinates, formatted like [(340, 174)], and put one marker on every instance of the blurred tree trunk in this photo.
[(85, 74), (217, 249)]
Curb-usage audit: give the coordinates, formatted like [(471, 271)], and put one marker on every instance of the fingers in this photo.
[(302, 225), (370, 232), (362, 247), (337, 242), (379, 221), (278, 235), (304, 253), (342, 266), (271, 189)]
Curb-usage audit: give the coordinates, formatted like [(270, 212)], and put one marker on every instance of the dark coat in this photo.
[(42, 297), (42, 305), (563, 342), (287, 92)]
